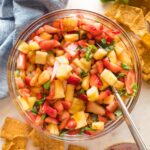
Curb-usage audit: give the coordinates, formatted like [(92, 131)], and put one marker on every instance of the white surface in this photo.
[(141, 113)]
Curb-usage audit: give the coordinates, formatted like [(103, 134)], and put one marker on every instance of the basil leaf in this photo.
[(46, 85), (135, 88), (43, 116), (83, 74), (118, 113), (125, 66)]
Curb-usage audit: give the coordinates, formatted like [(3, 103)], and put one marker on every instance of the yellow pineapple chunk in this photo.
[(34, 45), (24, 47), (119, 85), (100, 53), (63, 71), (98, 125), (59, 89), (31, 101), (59, 52), (112, 57), (86, 64), (62, 60), (41, 57), (85, 82), (125, 58), (108, 77), (119, 48), (109, 99), (92, 94), (53, 129), (24, 103), (45, 36), (69, 92), (104, 85), (77, 105), (71, 37), (36, 90), (80, 118), (44, 77), (51, 59)]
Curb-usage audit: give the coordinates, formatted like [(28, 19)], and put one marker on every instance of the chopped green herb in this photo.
[(122, 91), (82, 91), (46, 85), (34, 110), (43, 116), (92, 47), (94, 117), (63, 132), (83, 74), (135, 88), (88, 55), (118, 113), (121, 75), (125, 66)]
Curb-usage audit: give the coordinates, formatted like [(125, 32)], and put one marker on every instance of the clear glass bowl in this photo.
[(70, 13)]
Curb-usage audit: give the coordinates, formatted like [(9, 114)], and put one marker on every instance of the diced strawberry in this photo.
[(39, 31), (32, 116), (116, 32), (100, 66), (64, 115), (112, 106), (32, 36), (50, 29), (71, 124), (19, 82), (102, 119), (90, 132), (83, 97), (49, 44), (73, 132), (72, 49), (51, 120), (58, 106), (39, 96), (103, 95), (38, 120), (68, 56), (51, 92), (111, 115), (27, 80), (73, 79), (129, 81), (95, 81), (95, 108), (63, 124), (82, 43), (25, 92), (111, 66), (21, 61), (66, 105), (50, 111)]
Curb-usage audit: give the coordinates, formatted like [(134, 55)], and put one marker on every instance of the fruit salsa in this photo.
[(64, 74)]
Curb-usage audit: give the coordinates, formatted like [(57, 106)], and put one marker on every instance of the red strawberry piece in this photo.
[(95, 81), (73, 80)]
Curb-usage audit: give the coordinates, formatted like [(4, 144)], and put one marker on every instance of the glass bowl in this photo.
[(130, 103)]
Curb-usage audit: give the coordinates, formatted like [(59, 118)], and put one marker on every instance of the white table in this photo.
[(140, 114)]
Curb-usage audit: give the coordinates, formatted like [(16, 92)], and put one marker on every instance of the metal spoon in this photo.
[(132, 127)]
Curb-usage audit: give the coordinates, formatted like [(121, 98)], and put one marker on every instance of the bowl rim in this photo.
[(119, 120)]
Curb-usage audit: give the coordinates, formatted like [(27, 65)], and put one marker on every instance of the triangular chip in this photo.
[(7, 145), (147, 17), (76, 147)]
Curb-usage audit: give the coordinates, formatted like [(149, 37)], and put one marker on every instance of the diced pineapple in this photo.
[(51, 59), (34, 45), (53, 129), (63, 71), (24, 47), (69, 92), (41, 57), (125, 58), (45, 36), (36, 90), (77, 62), (100, 53), (112, 57), (59, 89), (119, 48), (98, 125), (108, 77), (92, 94), (109, 99), (85, 82), (86, 64), (104, 85), (80, 118), (24, 103), (59, 52), (119, 85), (31, 101), (44, 77), (77, 105), (34, 79), (71, 37), (146, 40), (62, 60)]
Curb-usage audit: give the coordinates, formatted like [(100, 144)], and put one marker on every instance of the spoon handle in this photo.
[(133, 129)]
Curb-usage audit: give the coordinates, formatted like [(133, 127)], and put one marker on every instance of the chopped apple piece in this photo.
[(24, 47), (33, 45), (24, 103), (80, 118), (77, 105), (69, 92), (86, 64), (112, 57), (85, 82), (92, 93), (119, 85), (41, 57), (71, 37), (108, 77), (100, 53), (31, 101), (44, 77), (98, 126), (63, 71), (109, 99), (59, 89), (53, 129), (62, 60)]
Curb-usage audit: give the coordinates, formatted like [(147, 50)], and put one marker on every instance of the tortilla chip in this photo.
[(133, 18), (146, 40), (13, 128), (44, 142), (76, 147), (147, 17), (7, 145)]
